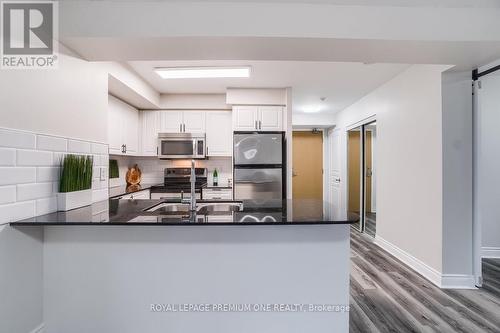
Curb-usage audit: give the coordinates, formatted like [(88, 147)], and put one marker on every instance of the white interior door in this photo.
[(335, 181)]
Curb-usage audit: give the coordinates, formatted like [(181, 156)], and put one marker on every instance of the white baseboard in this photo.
[(445, 281), (39, 329), (490, 252), (458, 281)]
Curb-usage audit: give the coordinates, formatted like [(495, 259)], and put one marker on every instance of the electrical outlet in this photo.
[(102, 172)]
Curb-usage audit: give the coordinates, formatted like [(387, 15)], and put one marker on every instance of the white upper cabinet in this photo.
[(123, 126), (131, 131), (245, 118), (114, 127), (219, 133), (171, 121), (194, 121), (149, 128), (258, 118), (182, 121), (270, 118)]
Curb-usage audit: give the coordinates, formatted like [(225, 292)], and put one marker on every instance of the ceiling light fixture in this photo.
[(202, 72)]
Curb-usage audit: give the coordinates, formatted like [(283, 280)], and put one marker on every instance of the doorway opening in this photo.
[(361, 182), (307, 172)]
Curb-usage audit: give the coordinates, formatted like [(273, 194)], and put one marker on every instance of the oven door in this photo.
[(181, 147)]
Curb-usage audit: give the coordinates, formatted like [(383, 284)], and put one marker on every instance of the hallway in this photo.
[(388, 296)]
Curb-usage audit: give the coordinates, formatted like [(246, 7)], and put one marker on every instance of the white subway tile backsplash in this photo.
[(99, 148), (7, 156), (17, 139), (30, 168), (34, 158), (17, 211), (105, 160), (16, 175), (46, 205), (7, 194), (47, 174), (34, 191), (52, 143), (77, 146), (100, 195)]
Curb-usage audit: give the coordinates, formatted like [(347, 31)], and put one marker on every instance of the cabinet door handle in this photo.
[(125, 148), (207, 150), (184, 128), (260, 124), (256, 125), (180, 128)]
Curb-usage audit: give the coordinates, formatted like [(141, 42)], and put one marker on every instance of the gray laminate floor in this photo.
[(387, 296)]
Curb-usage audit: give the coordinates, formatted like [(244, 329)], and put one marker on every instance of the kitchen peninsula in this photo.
[(112, 275)]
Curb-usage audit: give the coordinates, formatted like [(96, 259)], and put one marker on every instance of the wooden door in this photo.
[(354, 162), (307, 165)]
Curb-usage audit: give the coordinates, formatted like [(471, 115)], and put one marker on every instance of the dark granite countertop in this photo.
[(135, 212), (117, 191)]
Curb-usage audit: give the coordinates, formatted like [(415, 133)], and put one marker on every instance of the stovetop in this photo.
[(179, 179)]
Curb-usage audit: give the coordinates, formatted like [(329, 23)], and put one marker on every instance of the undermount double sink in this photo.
[(201, 207)]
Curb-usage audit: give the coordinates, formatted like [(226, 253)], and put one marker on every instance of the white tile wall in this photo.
[(7, 157), (30, 166), (152, 168)]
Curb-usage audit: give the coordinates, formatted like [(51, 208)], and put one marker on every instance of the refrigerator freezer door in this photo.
[(259, 184), (258, 149)]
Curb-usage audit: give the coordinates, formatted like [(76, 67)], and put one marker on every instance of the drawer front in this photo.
[(217, 194)]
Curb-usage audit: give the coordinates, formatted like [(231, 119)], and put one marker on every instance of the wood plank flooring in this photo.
[(388, 296)]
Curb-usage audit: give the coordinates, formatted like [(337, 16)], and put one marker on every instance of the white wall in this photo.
[(193, 101), (457, 174), (313, 119), (70, 101), (43, 110), (409, 161), (487, 165)]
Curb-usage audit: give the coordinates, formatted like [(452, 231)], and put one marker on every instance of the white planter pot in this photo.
[(71, 200)]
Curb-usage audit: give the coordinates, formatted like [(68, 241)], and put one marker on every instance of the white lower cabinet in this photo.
[(219, 134)]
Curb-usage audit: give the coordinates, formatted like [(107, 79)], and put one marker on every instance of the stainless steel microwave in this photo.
[(181, 145)]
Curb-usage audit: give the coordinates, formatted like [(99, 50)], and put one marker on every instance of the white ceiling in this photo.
[(342, 83)]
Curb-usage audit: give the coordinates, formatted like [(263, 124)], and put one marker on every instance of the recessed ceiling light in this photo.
[(202, 72)]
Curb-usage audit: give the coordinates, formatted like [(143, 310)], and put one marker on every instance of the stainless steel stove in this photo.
[(177, 184)]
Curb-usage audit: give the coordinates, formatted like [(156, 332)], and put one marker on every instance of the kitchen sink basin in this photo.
[(201, 207), (233, 206), (169, 208)]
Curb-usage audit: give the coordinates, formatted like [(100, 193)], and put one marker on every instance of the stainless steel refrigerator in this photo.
[(259, 165)]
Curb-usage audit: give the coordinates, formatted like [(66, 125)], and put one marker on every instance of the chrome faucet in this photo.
[(193, 183)]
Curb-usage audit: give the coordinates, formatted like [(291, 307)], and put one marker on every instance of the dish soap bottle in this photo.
[(216, 177)]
